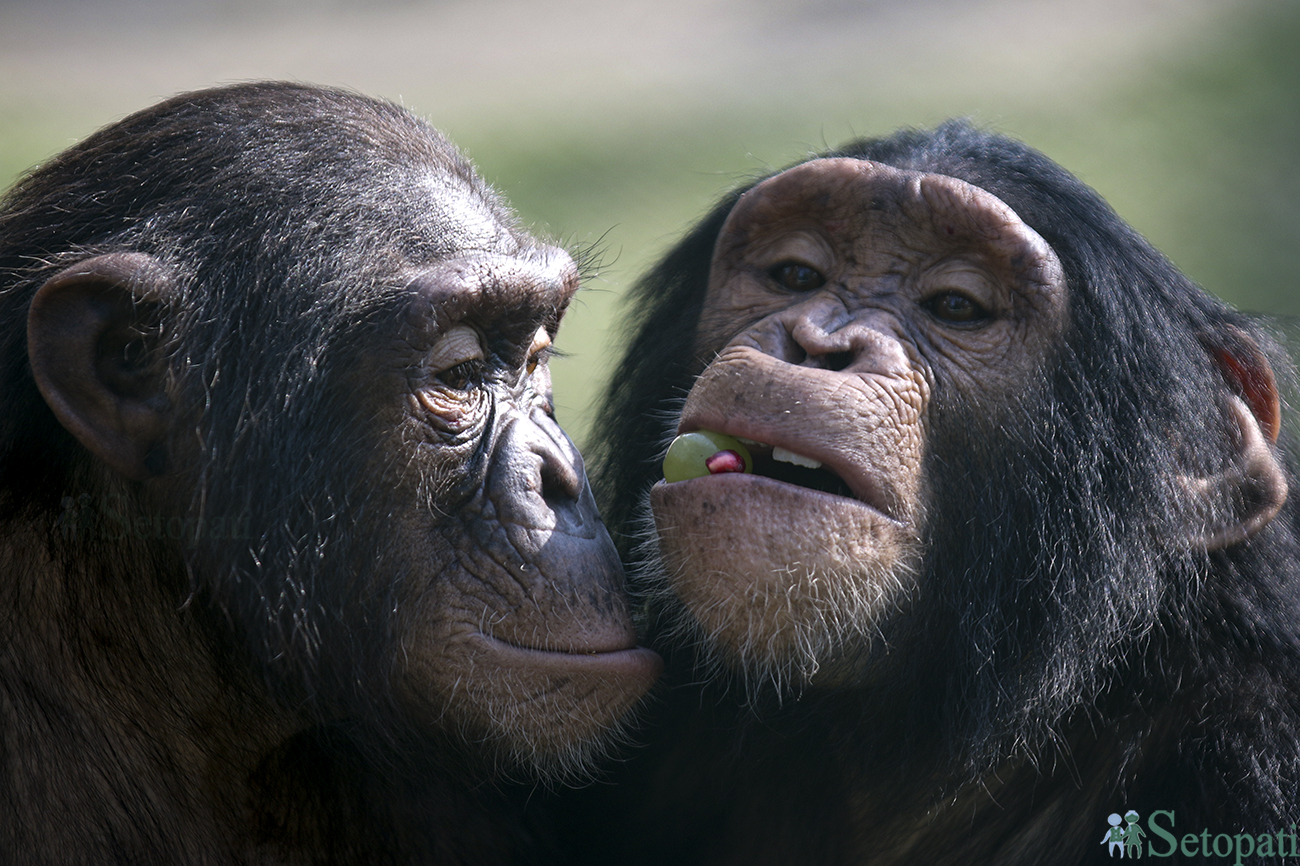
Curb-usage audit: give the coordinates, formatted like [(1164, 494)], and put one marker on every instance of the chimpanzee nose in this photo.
[(537, 477), (824, 335), (561, 472)]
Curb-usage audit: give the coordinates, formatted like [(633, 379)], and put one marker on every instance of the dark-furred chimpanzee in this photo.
[(293, 556), (980, 539)]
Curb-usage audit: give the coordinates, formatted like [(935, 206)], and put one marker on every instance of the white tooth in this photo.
[(779, 453), (748, 443)]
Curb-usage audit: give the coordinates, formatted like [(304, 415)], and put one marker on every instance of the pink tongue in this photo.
[(725, 461)]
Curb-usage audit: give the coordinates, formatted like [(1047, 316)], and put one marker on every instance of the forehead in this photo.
[(868, 209), (460, 216)]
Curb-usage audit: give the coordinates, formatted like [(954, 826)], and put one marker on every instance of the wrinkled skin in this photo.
[(828, 327), (525, 620)]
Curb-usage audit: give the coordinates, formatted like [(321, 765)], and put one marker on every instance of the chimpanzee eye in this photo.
[(539, 351), (537, 359), (463, 376), (456, 360), (955, 308), (797, 277)]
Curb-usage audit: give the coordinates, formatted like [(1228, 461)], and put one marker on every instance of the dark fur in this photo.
[(1065, 658), (246, 194)]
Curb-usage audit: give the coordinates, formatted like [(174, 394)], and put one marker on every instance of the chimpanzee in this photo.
[(975, 530), (296, 561)]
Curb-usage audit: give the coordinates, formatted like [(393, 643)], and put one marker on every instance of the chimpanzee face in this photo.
[(355, 364), (843, 295)]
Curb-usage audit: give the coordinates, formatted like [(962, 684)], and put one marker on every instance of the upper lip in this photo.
[(842, 421)]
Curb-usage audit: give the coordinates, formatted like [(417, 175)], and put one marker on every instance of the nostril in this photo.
[(560, 482), (837, 360)]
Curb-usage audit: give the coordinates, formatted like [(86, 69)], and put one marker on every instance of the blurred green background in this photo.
[(614, 125)]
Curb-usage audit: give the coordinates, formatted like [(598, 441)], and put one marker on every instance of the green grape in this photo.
[(687, 455)]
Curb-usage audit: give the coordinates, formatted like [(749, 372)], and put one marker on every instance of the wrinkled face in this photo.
[(419, 529), (512, 625), (842, 294)]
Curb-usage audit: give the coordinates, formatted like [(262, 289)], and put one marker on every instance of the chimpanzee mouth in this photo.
[(785, 466), (634, 660), (700, 452)]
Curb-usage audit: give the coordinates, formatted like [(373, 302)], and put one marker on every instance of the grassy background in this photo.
[(616, 125)]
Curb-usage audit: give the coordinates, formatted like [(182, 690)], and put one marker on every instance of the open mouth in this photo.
[(782, 465), (701, 452)]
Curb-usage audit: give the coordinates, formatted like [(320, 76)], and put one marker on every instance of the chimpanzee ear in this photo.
[(1240, 500), (92, 341)]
